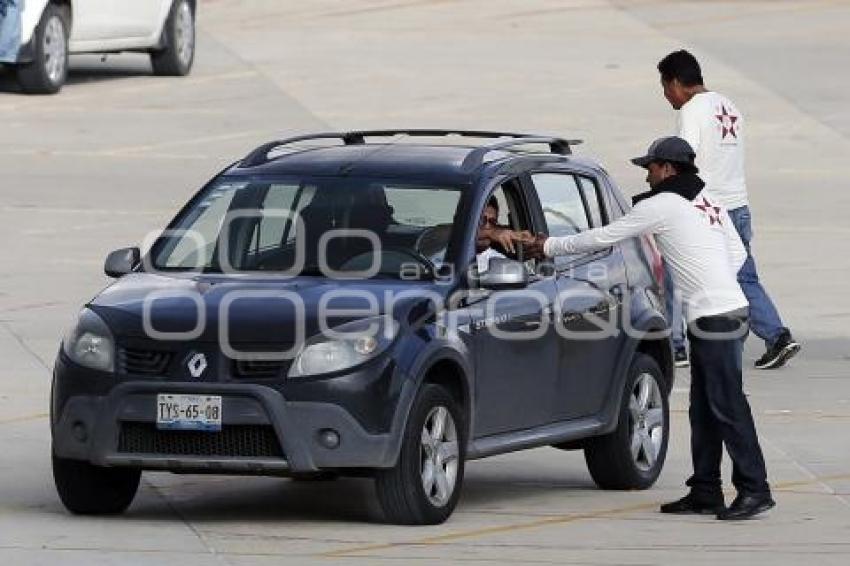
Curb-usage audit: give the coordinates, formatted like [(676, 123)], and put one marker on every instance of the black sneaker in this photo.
[(681, 358), (692, 505), (777, 355)]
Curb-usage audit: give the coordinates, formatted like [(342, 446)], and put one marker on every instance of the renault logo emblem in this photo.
[(197, 364)]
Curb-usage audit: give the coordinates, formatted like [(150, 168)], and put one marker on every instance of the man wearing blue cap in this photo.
[(704, 253)]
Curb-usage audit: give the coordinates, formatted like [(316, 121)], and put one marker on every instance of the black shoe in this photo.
[(681, 358), (693, 505), (777, 355), (747, 506)]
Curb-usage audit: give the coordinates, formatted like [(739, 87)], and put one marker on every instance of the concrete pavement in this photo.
[(109, 159)]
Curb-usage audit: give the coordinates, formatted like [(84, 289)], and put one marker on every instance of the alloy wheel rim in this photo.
[(439, 455), (646, 416), (184, 33), (54, 49)]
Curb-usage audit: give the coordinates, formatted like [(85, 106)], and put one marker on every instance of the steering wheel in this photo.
[(433, 239), (563, 217)]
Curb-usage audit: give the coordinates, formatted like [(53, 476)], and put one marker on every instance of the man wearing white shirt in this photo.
[(714, 127), (704, 253)]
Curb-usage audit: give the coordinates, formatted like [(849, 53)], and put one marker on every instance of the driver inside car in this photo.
[(493, 240)]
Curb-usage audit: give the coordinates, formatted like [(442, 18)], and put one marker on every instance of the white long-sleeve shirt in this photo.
[(714, 127), (697, 239)]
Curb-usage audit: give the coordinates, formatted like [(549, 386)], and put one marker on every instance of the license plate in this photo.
[(188, 412)]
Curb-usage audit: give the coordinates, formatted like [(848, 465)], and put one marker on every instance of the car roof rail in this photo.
[(559, 146), (260, 154)]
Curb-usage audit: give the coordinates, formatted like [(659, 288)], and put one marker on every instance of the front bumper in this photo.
[(262, 432)]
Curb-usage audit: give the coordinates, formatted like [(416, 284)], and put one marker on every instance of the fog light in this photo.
[(329, 438), (78, 429)]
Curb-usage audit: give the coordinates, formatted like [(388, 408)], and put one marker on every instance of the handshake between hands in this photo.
[(532, 246)]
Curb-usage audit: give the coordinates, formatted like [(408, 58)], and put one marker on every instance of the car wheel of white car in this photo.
[(49, 68), (178, 35), (632, 456), (424, 486)]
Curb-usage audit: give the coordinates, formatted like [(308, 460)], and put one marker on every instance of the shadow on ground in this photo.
[(353, 500), (89, 70)]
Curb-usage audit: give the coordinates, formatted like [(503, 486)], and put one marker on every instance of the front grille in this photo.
[(258, 368), (245, 441), (143, 362)]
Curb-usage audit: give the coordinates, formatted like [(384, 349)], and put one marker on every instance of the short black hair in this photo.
[(493, 202), (682, 66), (681, 168)]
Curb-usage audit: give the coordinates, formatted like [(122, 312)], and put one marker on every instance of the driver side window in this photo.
[(504, 208)]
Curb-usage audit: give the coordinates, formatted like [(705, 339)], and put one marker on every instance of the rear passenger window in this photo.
[(571, 204)]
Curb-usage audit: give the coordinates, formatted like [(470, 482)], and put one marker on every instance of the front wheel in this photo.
[(178, 35), (86, 489), (633, 455), (424, 486), (49, 68)]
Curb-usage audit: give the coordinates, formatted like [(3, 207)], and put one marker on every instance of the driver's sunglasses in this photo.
[(488, 221)]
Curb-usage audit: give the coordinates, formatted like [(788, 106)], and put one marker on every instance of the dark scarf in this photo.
[(686, 185)]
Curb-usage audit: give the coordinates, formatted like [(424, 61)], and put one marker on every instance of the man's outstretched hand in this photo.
[(532, 245), (504, 238)]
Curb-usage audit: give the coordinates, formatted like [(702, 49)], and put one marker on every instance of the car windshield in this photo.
[(347, 227)]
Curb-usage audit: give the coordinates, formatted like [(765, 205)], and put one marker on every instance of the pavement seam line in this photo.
[(557, 519), (24, 418), (210, 549), (554, 520), (24, 345), (813, 478)]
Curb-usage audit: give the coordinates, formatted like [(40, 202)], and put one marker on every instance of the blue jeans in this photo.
[(764, 318), (10, 30)]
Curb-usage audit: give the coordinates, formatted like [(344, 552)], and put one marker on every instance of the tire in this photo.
[(612, 462), (47, 72), (402, 490), (86, 489), (178, 34)]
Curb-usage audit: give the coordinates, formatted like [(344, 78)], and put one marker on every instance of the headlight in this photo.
[(354, 343), (90, 343)]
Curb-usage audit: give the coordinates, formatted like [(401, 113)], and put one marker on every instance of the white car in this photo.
[(51, 29)]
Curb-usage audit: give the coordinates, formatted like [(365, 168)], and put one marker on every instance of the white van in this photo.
[(49, 30)]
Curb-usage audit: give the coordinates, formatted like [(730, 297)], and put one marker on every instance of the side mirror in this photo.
[(121, 262), (504, 273)]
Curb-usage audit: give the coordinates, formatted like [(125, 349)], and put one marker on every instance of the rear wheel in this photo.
[(176, 58), (424, 486), (633, 455), (86, 489), (49, 68)]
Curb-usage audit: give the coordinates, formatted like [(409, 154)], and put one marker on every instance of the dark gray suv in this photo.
[(324, 307)]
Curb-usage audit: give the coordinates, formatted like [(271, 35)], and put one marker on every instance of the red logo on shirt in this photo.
[(727, 122), (709, 209)]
